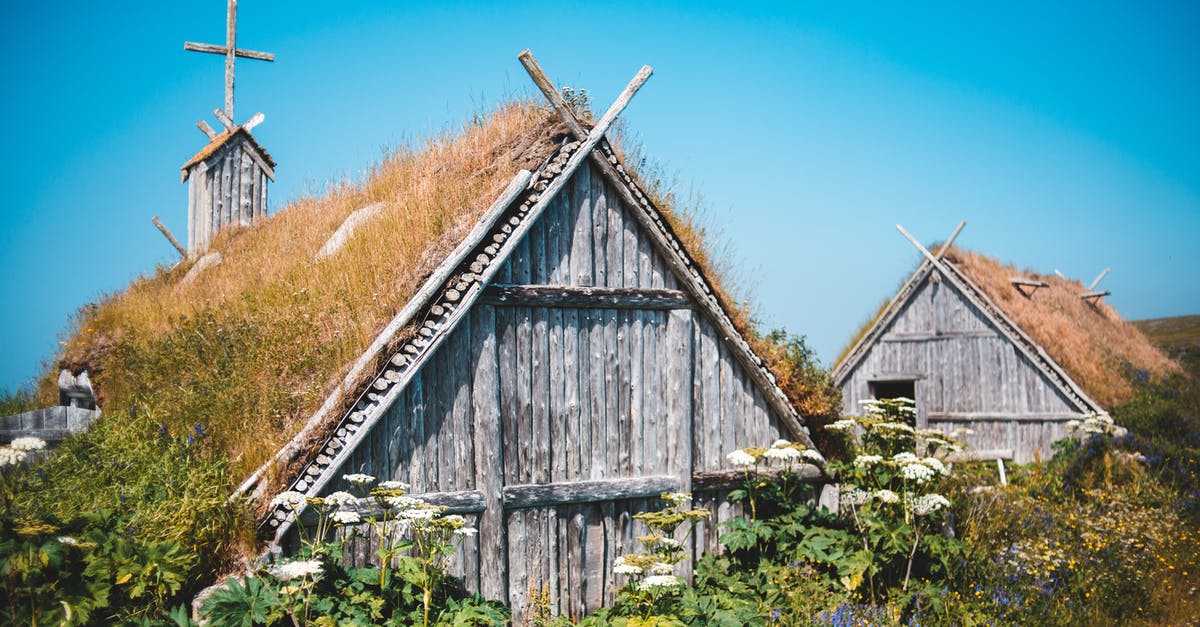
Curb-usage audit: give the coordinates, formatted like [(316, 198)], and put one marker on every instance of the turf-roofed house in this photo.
[(1010, 356), (565, 362)]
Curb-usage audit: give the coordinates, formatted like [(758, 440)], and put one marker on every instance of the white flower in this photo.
[(621, 567), (887, 496), (844, 424), (928, 504), (677, 499), (68, 540), (741, 458), (417, 514), (854, 496), (935, 465), (862, 461), (393, 485), (290, 499), (894, 426), (917, 472), (658, 581), (359, 479), (905, 458), (782, 454), (780, 444), (669, 543), (340, 499), (660, 568), (295, 570), (11, 457), (403, 502), (1072, 425), (346, 518), (28, 443), (466, 531), (812, 455)]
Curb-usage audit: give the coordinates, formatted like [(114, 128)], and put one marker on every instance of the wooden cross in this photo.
[(231, 51)]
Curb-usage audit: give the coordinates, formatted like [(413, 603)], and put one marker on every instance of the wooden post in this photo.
[(167, 234), (1097, 279), (206, 129), (230, 51), (950, 242)]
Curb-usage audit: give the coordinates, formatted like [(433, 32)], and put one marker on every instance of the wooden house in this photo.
[(228, 185), (567, 363), (1010, 356)]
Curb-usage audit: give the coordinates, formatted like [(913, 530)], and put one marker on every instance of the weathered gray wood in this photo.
[(728, 479), (170, 238), (1099, 277), (1000, 416), (221, 50), (584, 297), (460, 502), (574, 492), (489, 455), (206, 129), (982, 455)]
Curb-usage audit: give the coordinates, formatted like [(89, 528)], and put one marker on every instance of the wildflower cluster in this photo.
[(19, 449), (889, 485), (1095, 424), (761, 465), (651, 574)]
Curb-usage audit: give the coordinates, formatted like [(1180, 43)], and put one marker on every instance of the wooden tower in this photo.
[(228, 177)]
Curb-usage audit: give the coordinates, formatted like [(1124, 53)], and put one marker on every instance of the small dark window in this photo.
[(904, 388)]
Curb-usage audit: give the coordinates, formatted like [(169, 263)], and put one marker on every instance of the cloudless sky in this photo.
[(1066, 134)]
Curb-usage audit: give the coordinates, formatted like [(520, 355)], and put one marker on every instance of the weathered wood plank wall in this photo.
[(530, 399), (229, 187), (967, 375)]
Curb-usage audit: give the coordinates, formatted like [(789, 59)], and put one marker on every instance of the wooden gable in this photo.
[(969, 367)]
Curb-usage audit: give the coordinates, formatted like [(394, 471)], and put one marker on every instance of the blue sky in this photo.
[(1066, 134)]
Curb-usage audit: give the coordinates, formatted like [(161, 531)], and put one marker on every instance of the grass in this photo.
[(1092, 343)]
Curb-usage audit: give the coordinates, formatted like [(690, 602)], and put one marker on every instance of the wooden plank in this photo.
[(463, 421), (540, 382), (583, 297), (613, 419), (600, 234), (398, 451), (524, 405), (222, 50), (678, 357), (979, 416), (558, 413), (574, 492), (629, 431), (416, 467), (727, 479), (581, 238), (167, 234), (506, 329), (489, 454), (574, 361), (518, 580), (642, 424)]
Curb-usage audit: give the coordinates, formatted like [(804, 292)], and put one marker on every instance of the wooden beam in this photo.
[(1060, 275), (729, 479), (981, 455), (1020, 283), (225, 119), (980, 416), (254, 121), (924, 336), (950, 242), (583, 297), (565, 113), (1096, 281), (1092, 297), (222, 50), (206, 129), (574, 492), (461, 502), (167, 234)]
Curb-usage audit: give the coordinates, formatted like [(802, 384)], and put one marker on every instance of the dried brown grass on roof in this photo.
[(1092, 343), (254, 345)]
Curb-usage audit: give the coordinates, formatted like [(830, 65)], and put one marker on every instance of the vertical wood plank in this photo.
[(559, 414), (600, 231), (540, 394), (506, 330), (416, 404), (582, 265), (489, 453), (524, 405)]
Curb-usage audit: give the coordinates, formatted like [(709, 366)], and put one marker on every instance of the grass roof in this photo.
[(1091, 342), (255, 344)]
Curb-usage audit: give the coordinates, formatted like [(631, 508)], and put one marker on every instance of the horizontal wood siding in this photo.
[(963, 365)]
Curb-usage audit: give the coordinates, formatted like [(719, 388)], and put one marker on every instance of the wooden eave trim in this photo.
[(695, 283), (856, 354)]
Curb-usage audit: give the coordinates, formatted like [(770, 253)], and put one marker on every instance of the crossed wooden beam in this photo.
[(567, 115)]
